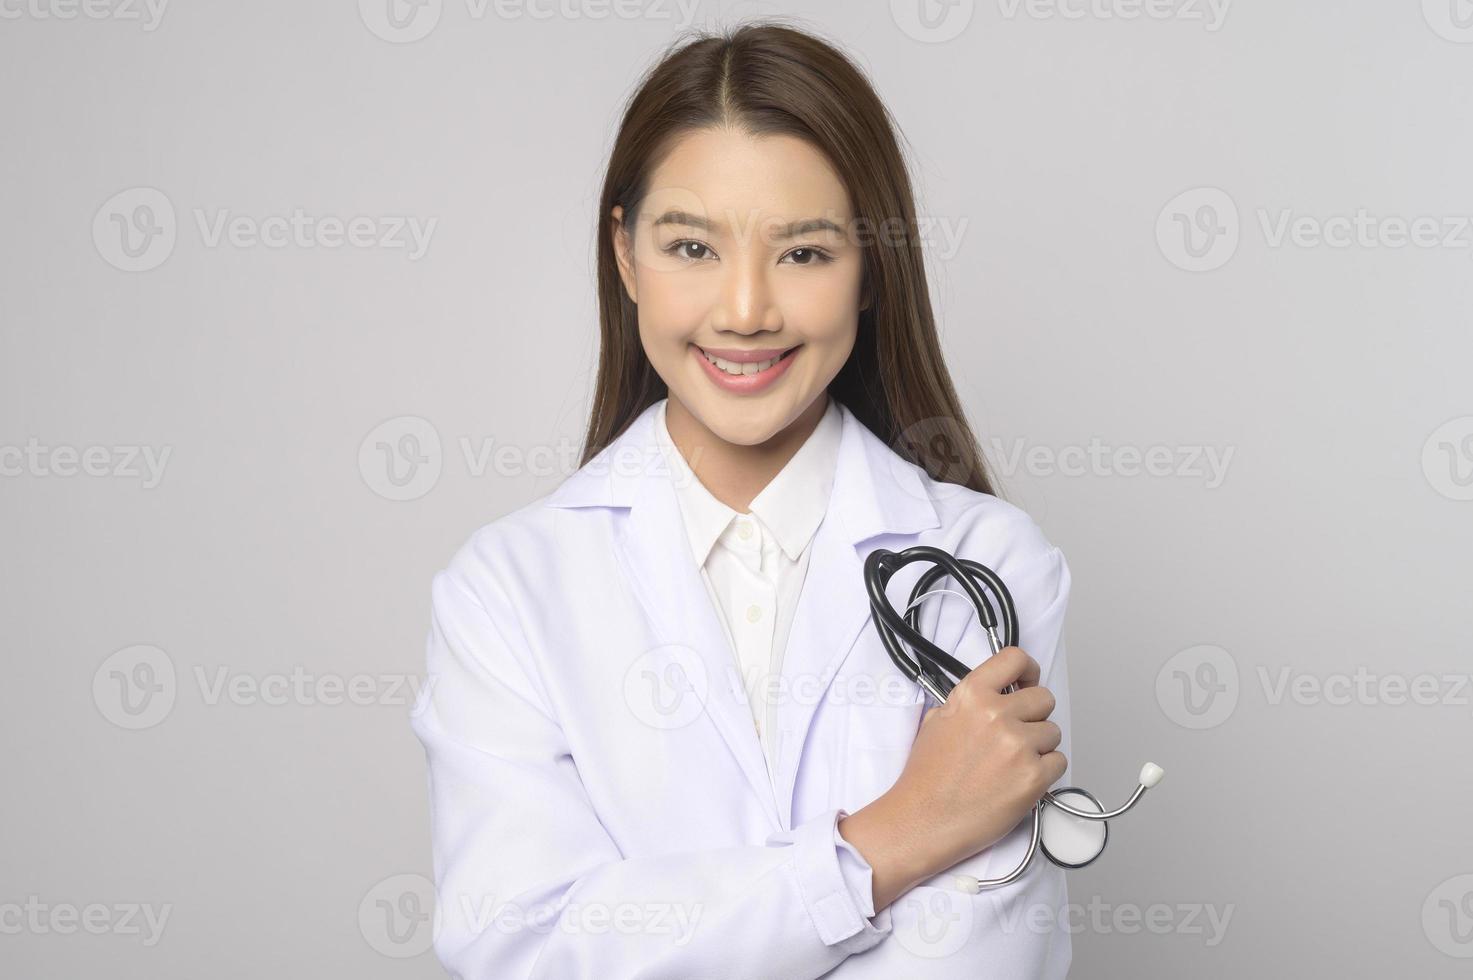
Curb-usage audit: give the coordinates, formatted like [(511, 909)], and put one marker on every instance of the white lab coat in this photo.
[(601, 806)]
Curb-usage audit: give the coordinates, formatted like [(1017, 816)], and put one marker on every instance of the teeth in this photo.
[(732, 367)]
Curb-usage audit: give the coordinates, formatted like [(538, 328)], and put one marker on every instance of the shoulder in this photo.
[(1001, 535), (986, 529), (519, 552)]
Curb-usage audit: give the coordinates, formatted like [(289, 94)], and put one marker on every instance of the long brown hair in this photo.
[(768, 78)]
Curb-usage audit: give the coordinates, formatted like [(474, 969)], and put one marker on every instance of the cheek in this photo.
[(826, 300), (671, 306), (829, 317)]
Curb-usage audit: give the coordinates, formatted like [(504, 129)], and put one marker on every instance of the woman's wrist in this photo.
[(880, 832)]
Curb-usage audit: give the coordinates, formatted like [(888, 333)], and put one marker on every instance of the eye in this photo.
[(810, 256), (687, 248)]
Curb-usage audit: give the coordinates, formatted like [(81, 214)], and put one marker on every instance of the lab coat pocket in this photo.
[(880, 734)]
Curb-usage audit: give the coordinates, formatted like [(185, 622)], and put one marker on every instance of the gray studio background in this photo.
[(1204, 280)]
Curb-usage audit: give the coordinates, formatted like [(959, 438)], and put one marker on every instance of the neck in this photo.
[(735, 474)]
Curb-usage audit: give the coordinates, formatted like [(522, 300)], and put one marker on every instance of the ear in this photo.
[(623, 243)]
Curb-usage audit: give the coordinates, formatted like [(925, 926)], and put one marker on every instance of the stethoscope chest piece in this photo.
[(1070, 841)]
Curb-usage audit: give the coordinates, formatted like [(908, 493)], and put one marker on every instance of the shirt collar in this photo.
[(791, 506), (875, 489)]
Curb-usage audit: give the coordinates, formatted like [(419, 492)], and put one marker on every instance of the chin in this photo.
[(742, 432), (738, 421)]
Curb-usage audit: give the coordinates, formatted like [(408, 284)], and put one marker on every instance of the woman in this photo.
[(663, 738)]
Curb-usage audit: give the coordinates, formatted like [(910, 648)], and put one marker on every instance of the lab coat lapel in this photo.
[(657, 556), (875, 492), (832, 609)]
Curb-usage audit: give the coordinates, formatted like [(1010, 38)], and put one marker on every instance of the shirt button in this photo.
[(754, 613), (744, 530)]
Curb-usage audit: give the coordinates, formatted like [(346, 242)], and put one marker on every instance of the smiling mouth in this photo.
[(741, 368)]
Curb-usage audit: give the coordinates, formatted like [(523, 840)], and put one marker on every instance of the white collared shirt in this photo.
[(754, 564)]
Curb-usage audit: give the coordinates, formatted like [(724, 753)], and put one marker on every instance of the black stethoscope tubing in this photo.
[(881, 566)]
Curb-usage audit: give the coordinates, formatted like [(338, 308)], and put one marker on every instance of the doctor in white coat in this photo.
[(606, 799)]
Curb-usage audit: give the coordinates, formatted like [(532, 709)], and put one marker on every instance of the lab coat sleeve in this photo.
[(530, 884)]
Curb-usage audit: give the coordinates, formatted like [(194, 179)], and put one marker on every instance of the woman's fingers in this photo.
[(1010, 665)]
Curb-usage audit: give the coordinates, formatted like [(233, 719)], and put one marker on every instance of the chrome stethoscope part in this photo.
[(1070, 837)]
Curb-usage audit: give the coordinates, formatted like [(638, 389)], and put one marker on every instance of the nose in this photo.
[(746, 303)]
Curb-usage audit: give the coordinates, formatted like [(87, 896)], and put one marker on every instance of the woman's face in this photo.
[(741, 252)]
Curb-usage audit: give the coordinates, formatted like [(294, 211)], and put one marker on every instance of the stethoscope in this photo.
[(1071, 837)]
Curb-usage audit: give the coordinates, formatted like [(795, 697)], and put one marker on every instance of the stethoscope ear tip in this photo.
[(1151, 774)]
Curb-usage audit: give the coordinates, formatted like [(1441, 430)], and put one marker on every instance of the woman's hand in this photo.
[(979, 763)]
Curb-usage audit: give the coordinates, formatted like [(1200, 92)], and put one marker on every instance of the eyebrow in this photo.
[(791, 230)]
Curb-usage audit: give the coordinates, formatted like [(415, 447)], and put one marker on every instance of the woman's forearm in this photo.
[(879, 832)]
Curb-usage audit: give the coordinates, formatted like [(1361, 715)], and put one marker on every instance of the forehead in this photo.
[(712, 171)]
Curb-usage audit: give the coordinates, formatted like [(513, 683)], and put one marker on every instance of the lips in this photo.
[(747, 356), (744, 371)]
